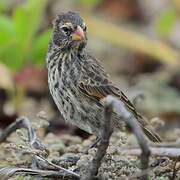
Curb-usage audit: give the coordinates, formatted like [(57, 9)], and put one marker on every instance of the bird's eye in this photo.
[(67, 30), (85, 28)]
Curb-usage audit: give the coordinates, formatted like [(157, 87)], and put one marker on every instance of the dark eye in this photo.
[(85, 28), (67, 30)]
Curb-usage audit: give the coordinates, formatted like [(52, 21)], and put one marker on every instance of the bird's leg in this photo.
[(94, 144)]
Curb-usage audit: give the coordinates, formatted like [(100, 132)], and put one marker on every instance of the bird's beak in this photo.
[(78, 34)]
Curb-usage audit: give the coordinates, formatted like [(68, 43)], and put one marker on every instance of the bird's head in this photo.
[(69, 31)]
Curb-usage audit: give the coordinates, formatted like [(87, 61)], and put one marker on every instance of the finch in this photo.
[(78, 82)]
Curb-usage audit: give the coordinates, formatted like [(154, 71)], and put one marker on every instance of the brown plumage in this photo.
[(78, 82)]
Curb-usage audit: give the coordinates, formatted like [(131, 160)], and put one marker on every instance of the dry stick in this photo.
[(118, 106), (174, 144), (106, 132), (172, 153), (23, 122), (121, 110), (35, 143), (7, 172), (44, 163)]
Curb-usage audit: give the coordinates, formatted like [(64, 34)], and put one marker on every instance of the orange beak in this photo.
[(78, 34)]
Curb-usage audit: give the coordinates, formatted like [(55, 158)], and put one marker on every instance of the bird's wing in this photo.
[(95, 84)]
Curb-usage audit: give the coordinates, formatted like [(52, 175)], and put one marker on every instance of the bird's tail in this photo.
[(146, 127), (154, 137)]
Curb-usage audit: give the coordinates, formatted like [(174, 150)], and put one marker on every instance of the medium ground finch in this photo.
[(78, 82)]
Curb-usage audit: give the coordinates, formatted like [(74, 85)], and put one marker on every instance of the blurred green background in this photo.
[(137, 41)]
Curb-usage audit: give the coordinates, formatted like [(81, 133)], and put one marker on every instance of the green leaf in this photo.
[(27, 19), (18, 34), (21, 22), (6, 29), (6, 24), (39, 49), (166, 21), (7, 39), (12, 56)]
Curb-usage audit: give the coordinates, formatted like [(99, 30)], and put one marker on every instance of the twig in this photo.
[(38, 161), (172, 153), (23, 122), (92, 170), (121, 110), (44, 163), (166, 144), (111, 104), (6, 172)]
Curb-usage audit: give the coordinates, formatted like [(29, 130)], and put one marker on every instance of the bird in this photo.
[(78, 82)]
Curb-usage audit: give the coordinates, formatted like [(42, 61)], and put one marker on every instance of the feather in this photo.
[(98, 88)]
